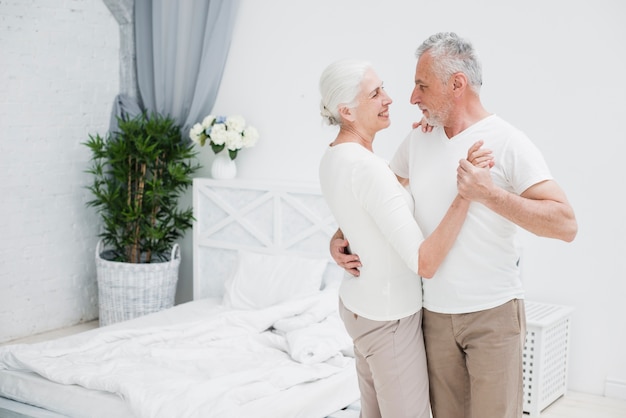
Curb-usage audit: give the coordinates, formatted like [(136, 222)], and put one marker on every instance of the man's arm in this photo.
[(542, 209), (403, 180), (340, 252)]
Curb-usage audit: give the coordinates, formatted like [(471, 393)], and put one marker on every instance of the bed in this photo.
[(261, 338)]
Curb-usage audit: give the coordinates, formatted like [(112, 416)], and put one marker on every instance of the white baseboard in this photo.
[(614, 388)]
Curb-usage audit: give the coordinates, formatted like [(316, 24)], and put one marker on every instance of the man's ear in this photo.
[(459, 83), (347, 113)]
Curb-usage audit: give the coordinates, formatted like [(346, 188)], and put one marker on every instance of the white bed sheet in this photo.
[(315, 399)]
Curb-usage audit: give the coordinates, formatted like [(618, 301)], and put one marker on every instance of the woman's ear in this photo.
[(347, 113)]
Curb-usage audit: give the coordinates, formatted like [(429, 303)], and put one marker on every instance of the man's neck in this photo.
[(464, 118)]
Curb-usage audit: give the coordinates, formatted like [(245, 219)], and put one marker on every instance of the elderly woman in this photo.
[(381, 309)]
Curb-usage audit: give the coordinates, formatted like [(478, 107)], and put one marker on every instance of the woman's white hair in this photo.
[(340, 84)]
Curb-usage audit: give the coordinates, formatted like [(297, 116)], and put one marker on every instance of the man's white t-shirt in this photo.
[(481, 271), (374, 211)]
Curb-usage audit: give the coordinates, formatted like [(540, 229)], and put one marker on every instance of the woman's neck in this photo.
[(350, 134)]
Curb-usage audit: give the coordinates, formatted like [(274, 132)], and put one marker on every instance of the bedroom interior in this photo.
[(541, 62)]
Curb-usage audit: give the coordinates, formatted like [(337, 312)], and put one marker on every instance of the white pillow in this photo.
[(262, 280)]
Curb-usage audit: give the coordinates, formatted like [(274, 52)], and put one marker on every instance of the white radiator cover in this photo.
[(545, 356)]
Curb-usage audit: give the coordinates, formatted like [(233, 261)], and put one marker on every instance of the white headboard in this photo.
[(266, 217)]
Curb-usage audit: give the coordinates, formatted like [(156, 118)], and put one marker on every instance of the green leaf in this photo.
[(217, 148)]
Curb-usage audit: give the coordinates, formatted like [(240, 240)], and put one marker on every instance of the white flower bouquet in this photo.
[(223, 132)]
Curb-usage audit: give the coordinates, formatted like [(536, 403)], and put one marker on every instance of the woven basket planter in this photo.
[(129, 290)]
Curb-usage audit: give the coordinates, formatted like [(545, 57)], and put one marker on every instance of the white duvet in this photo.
[(206, 367)]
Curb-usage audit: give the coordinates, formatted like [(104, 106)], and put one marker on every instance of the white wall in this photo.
[(555, 69), (59, 74)]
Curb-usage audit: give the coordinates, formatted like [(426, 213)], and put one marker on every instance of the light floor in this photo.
[(51, 335), (572, 405)]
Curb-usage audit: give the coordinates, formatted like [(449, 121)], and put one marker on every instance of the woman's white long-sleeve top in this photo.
[(374, 211)]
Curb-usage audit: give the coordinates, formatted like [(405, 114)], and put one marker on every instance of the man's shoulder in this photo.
[(501, 129), (496, 121)]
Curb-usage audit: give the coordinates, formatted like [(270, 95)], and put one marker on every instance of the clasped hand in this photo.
[(473, 179)]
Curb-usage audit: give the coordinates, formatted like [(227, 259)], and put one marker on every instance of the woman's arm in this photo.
[(435, 248)]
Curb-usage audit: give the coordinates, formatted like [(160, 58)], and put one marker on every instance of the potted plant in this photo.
[(139, 173)]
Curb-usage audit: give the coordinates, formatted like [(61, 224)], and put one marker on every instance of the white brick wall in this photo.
[(59, 74)]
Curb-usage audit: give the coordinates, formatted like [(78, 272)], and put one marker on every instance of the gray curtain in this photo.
[(124, 107), (181, 49)]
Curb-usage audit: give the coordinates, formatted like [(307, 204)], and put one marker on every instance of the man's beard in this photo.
[(440, 117)]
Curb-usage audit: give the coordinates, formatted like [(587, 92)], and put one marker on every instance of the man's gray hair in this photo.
[(453, 54)]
